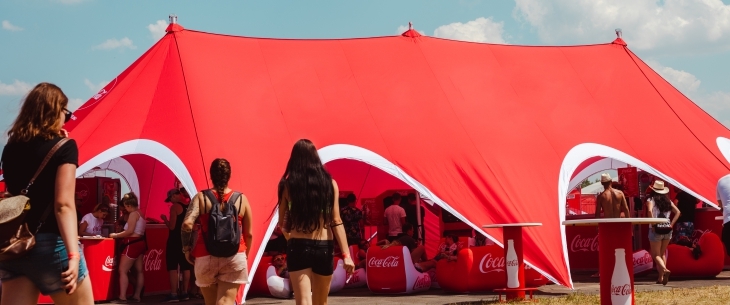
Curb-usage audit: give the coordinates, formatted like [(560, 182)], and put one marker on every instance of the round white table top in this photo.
[(517, 224), (596, 221), (719, 218)]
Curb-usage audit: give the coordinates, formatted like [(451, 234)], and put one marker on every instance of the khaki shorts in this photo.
[(209, 270)]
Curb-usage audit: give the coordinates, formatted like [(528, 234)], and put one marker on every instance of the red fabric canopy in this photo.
[(491, 133)]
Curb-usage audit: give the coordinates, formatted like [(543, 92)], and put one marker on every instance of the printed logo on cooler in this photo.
[(490, 264), (587, 244), (388, 262), (108, 264), (153, 260), (621, 290), (423, 281), (512, 263)]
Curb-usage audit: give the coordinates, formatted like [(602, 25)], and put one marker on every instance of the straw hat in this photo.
[(605, 177), (659, 187)]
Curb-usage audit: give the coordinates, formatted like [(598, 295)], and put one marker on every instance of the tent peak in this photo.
[(173, 27), (411, 32), (618, 39)]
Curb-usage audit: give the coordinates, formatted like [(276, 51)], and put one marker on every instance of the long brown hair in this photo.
[(39, 114), (220, 175)]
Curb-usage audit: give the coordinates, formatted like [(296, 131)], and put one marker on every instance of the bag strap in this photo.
[(50, 154), (43, 164)]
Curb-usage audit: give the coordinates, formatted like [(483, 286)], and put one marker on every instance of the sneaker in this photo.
[(184, 297), (170, 298)]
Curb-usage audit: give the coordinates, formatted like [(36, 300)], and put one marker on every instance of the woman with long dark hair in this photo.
[(219, 276), (309, 215), (55, 266), (658, 205)]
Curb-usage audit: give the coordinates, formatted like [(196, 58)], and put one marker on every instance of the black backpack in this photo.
[(224, 231)]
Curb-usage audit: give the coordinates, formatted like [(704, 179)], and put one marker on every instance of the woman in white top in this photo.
[(91, 223), (134, 247), (658, 205)]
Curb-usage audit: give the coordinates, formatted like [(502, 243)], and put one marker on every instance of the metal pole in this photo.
[(418, 216)]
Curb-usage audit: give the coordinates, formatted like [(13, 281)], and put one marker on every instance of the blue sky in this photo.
[(82, 44)]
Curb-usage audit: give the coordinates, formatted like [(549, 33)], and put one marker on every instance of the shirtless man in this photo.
[(612, 202)]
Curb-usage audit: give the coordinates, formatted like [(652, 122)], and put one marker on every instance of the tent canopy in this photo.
[(492, 133)]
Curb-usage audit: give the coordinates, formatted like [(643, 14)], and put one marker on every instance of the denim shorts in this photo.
[(304, 253), (659, 237), (43, 264)]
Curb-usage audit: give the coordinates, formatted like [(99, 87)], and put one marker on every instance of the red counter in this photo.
[(99, 255), (156, 278), (582, 244)]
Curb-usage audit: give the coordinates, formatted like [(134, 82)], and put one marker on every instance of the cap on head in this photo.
[(170, 193)]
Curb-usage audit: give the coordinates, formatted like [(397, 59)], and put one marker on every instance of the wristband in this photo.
[(345, 255), (72, 255)]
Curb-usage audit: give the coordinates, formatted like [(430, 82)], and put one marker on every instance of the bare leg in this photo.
[(302, 285), (139, 267), (173, 281), (210, 294), (663, 250), (82, 295), (185, 289), (320, 288), (418, 254), (656, 253), (125, 263), (226, 293), (19, 291)]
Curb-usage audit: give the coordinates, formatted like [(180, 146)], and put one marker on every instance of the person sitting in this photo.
[(91, 223), (362, 253), (279, 262), (418, 252), (479, 239)]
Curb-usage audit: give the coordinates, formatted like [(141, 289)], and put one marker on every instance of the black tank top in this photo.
[(174, 239)]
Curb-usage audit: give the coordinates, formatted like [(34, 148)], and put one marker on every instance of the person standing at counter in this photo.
[(685, 226), (55, 266), (395, 218), (173, 254), (352, 217), (612, 202), (134, 243), (723, 199), (91, 223), (659, 206), (220, 260)]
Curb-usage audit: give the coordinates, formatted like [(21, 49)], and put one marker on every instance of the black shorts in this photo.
[(726, 237), (175, 257), (308, 253), (392, 238)]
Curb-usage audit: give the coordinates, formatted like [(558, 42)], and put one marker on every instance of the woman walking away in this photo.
[(55, 266), (310, 215), (219, 257), (135, 244), (659, 206)]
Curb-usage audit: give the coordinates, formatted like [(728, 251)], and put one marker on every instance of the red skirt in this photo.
[(134, 247)]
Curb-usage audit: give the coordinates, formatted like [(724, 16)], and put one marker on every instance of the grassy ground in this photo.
[(695, 296)]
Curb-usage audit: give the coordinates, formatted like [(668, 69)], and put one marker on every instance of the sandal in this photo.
[(665, 279), (119, 301)]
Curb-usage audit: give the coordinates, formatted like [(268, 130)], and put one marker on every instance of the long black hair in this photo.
[(220, 174), (661, 201), (309, 186)]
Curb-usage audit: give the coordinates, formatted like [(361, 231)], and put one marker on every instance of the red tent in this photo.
[(492, 133)]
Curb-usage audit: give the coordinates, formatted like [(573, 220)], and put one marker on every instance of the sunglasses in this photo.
[(68, 115)]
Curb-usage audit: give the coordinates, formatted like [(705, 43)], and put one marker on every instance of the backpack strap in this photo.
[(211, 197), (48, 157), (234, 197)]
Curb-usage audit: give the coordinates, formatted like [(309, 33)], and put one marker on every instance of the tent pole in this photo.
[(418, 216)]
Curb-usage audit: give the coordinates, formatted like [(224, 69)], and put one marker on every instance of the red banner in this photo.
[(628, 178)]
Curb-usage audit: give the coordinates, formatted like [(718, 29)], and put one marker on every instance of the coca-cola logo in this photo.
[(388, 262), (153, 260), (108, 264), (490, 264), (588, 244), (698, 233), (621, 289), (646, 259), (423, 281), (513, 263)]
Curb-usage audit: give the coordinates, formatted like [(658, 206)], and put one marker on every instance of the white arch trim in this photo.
[(122, 167), (723, 144), (596, 167), (351, 152)]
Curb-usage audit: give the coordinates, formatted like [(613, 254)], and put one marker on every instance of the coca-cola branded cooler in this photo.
[(582, 247), (156, 278), (99, 255)]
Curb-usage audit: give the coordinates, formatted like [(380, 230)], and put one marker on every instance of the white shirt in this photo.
[(393, 214), (94, 224), (723, 194)]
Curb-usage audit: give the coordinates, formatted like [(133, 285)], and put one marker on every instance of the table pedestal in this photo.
[(616, 288), (514, 234)]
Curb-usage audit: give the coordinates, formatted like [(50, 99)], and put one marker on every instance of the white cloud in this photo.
[(478, 30), (16, 88), (11, 27), (74, 103), (94, 87), (114, 43), (676, 25), (157, 29), (680, 79)]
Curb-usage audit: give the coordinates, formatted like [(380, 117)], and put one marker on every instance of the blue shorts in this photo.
[(659, 237), (43, 264)]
